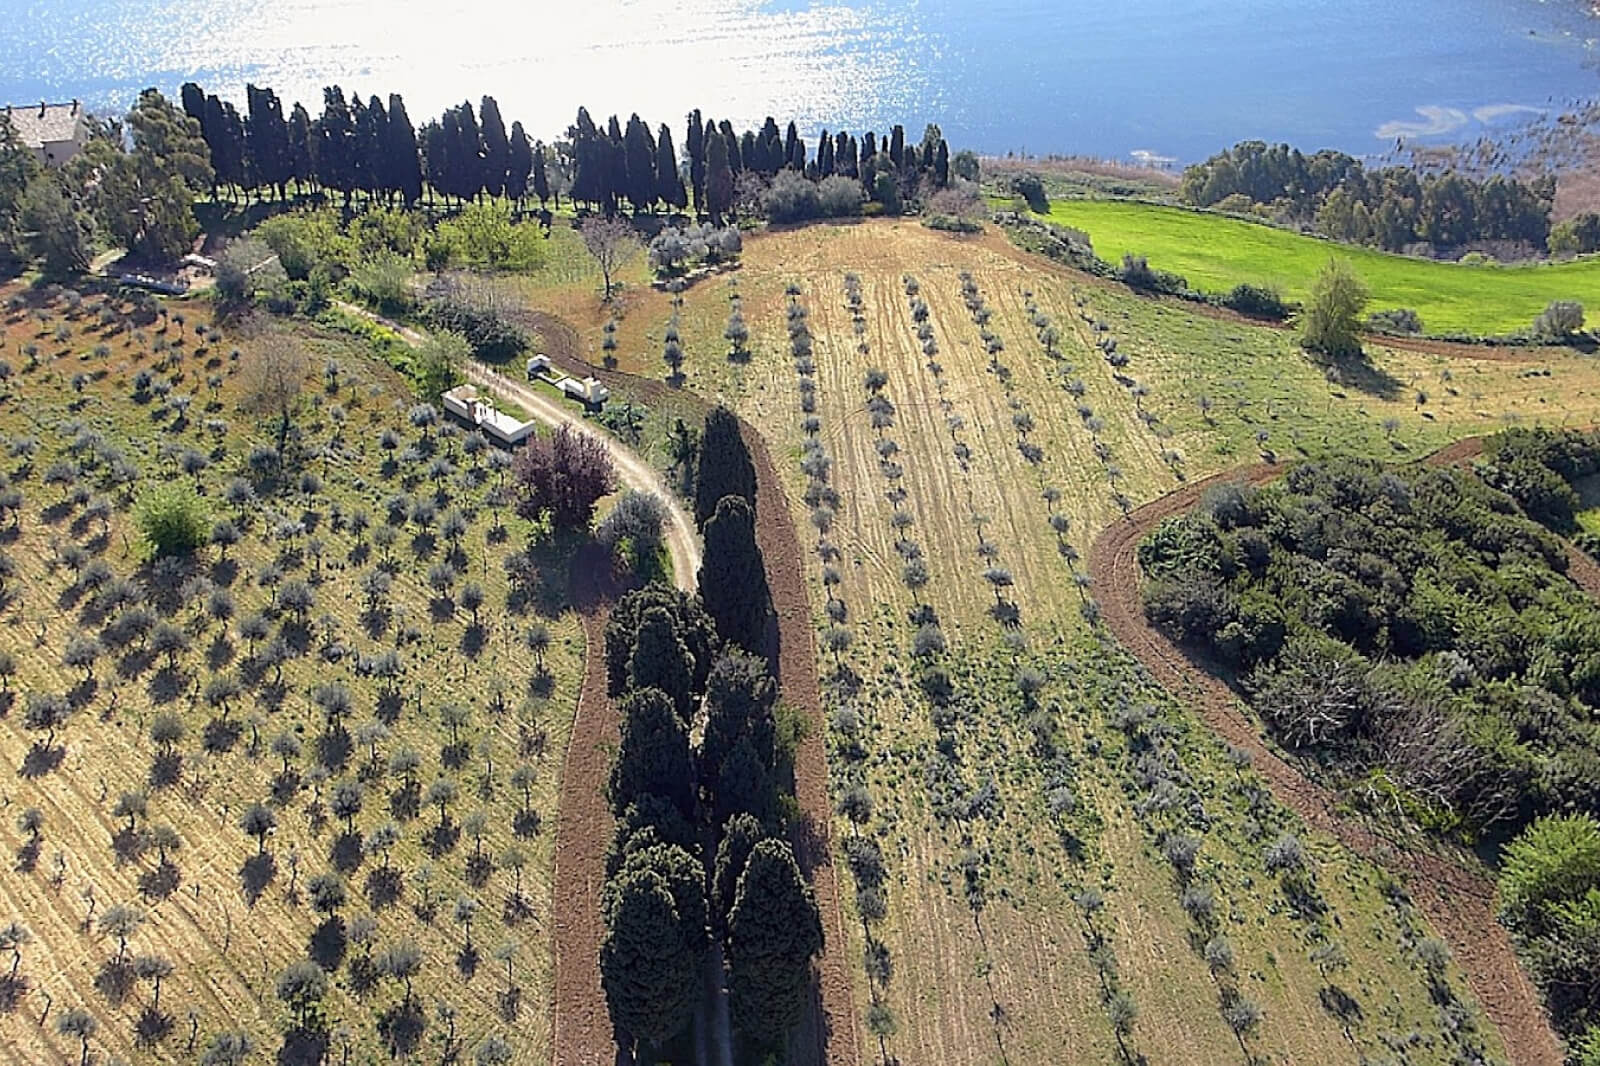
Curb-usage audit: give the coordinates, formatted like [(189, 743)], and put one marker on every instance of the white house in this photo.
[(55, 132), (465, 403)]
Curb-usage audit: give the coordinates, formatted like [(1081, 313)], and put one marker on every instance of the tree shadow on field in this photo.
[(152, 1027), (1363, 375), (114, 980), (328, 943), (255, 875), (384, 887), (402, 1027), (303, 1047), (42, 760), (345, 854), (12, 990), (161, 882)]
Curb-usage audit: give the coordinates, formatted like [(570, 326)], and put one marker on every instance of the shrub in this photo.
[(1137, 273), (840, 197), (246, 267), (791, 198), (1399, 320), (1331, 321), (478, 315), (383, 280), (172, 519), (1561, 319), (1555, 859), (1258, 301)]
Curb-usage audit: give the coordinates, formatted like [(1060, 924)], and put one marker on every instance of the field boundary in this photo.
[(1458, 901)]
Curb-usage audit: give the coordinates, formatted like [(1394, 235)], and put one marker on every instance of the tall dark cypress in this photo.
[(797, 158), (541, 180), (791, 140), (302, 147), (695, 144), (736, 160), (519, 164), (825, 155), (669, 183), (466, 155), (772, 153), (400, 152), (591, 158), (719, 176), (725, 466), (336, 144), (194, 103), (733, 581), (496, 147), (752, 153), (372, 136), (436, 155), (869, 146), (844, 160), (639, 165), (897, 146), (941, 165), (214, 128), (617, 166), (269, 138)]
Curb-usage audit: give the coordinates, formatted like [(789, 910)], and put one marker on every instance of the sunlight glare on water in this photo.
[(1146, 78)]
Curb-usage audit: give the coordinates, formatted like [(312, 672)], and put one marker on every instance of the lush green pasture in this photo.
[(1216, 253)]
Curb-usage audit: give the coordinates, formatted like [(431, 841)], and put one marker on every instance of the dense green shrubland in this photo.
[(1411, 628)]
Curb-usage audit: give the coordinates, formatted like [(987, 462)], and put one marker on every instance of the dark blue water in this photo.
[(1115, 78)]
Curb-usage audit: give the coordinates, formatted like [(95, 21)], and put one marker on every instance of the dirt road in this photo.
[(1458, 900), (632, 471)]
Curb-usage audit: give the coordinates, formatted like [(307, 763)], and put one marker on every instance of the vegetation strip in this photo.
[(1458, 901)]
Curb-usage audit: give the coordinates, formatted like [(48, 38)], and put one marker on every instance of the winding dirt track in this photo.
[(1458, 900)]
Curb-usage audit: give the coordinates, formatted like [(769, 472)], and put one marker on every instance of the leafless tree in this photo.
[(612, 243)]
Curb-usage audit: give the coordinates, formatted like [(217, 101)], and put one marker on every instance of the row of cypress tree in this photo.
[(699, 857), (372, 147)]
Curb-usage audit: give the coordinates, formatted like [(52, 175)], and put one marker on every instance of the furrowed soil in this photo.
[(1005, 975), (463, 702)]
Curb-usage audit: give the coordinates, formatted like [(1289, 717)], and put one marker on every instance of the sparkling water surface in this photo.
[(1116, 78)]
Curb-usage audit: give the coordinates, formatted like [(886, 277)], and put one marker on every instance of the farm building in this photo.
[(55, 132), (464, 402)]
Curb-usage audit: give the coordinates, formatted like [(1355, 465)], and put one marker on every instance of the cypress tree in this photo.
[(639, 163), (752, 153), (791, 141), (496, 147), (269, 138), (740, 835), (661, 660), (744, 785), (194, 103), (725, 466), (302, 163), (400, 152), (771, 148), (740, 696), (653, 755), (466, 153), (693, 626), (435, 156), (214, 129), (773, 932), (648, 967), (694, 143), (941, 165), (797, 158), (736, 160), (590, 160), (897, 146), (825, 155), (719, 177), (869, 146), (541, 180), (335, 152), (372, 140), (669, 183), (845, 156), (519, 164), (686, 883), (733, 582), (616, 166)]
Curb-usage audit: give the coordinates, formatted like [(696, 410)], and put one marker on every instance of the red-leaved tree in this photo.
[(563, 475)]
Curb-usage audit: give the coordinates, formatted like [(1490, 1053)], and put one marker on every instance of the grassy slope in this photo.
[(1215, 253), (108, 750), (1025, 950)]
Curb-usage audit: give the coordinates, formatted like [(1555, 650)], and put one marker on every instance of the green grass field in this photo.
[(1216, 253)]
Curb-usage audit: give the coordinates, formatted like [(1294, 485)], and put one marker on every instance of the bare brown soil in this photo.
[(828, 1037), (1457, 898), (581, 1026)]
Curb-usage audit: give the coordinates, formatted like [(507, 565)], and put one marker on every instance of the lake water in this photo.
[(1115, 78)]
